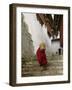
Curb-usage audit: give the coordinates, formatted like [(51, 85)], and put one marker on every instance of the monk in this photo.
[(41, 55)]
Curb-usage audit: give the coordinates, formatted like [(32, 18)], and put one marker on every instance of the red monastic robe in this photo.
[(41, 57)]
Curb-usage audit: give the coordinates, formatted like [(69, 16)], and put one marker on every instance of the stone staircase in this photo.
[(54, 67)]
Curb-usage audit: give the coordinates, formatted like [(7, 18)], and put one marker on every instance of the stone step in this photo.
[(55, 57), (26, 69), (36, 62), (55, 67), (45, 72), (51, 63)]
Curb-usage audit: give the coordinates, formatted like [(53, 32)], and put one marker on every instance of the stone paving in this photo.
[(54, 67)]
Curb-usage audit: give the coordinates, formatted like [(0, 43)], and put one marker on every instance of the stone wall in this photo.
[(27, 47)]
